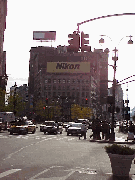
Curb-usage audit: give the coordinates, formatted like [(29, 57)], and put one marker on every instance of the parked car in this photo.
[(52, 127), (68, 125), (74, 129)]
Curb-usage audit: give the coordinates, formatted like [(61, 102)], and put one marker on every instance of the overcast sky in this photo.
[(26, 16)]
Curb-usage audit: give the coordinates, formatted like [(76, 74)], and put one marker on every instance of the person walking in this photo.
[(83, 129)]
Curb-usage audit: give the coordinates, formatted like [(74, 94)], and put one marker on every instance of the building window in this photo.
[(68, 81), (63, 93), (82, 94), (54, 87), (49, 87), (73, 81), (49, 80), (83, 88), (59, 93), (64, 81), (54, 81), (59, 87), (68, 94), (59, 80), (68, 87), (46, 81), (54, 94), (49, 94), (45, 87)]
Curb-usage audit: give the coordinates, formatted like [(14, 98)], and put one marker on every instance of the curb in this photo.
[(112, 142)]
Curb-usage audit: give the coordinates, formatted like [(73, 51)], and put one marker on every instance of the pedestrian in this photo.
[(98, 129), (83, 129), (93, 126)]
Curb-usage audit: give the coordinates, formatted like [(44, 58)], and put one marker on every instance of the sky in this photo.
[(26, 16)]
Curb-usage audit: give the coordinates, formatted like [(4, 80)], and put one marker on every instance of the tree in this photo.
[(79, 112), (2, 100)]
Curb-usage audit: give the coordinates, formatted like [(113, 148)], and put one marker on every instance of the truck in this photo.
[(5, 119)]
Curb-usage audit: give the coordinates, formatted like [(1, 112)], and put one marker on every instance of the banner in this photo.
[(44, 35), (68, 67)]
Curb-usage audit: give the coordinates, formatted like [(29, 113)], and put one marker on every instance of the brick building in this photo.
[(57, 74), (3, 14)]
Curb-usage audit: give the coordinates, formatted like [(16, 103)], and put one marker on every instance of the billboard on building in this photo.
[(44, 35), (68, 67)]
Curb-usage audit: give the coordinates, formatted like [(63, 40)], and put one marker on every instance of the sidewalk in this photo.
[(119, 139)]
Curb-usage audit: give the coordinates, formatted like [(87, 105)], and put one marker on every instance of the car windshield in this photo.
[(49, 123), (76, 125)]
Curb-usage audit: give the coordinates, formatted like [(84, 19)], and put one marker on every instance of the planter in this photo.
[(120, 164)]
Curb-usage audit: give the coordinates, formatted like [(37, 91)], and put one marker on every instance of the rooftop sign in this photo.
[(44, 35)]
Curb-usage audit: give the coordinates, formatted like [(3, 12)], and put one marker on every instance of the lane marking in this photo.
[(6, 173), (32, 178)]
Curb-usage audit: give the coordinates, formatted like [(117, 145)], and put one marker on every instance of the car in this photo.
[(52, 127), (74, 129), (31, 126), (65, 124), (19, 127), (68, 125), (42, 126)]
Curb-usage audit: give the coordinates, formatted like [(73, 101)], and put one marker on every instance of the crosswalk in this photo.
[(38, 137), (59, 173)]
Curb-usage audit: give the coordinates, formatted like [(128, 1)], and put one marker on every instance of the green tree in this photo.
[(2, 100), (79, 112), (16, 104)]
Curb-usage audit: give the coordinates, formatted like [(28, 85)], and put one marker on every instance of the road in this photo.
[(53, 157)]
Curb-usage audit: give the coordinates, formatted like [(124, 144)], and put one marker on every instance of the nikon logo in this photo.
[(67, 66)]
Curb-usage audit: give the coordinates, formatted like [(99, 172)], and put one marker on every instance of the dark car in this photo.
[(19, 127), (52, 127), (74, 129)]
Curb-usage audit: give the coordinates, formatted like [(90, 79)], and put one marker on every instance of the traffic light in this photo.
[(74, 42), (84, 42), (46, 100), (44, 107), (86, 100)]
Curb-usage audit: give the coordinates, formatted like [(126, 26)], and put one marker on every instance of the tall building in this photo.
[(66, 77), (3, 14)]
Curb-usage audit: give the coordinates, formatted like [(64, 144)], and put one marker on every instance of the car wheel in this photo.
[(33, 131), (67, 134), (56, 132)]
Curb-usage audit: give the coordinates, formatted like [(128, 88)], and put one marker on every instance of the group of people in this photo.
[(103, 127), (97, 127)]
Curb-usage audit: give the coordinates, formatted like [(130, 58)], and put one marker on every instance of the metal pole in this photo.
[(115, 58)]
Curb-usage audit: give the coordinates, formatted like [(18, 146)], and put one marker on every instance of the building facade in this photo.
[(58, 75), (3, 14)]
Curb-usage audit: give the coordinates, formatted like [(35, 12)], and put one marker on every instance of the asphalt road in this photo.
[(53, 157)]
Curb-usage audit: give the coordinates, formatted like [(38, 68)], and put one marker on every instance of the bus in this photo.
[(5, 119)]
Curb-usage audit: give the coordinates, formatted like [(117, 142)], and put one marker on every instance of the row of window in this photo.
[(68, 94), (66, 81), (49, 87)]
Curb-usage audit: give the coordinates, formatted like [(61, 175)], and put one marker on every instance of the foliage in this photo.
[(15, 104), (2, 100), (78, 112), (119, 149)]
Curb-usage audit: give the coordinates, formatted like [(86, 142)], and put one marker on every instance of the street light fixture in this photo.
[(114, 58)]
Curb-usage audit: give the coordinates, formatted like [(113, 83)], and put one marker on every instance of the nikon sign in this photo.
[(68, 67)]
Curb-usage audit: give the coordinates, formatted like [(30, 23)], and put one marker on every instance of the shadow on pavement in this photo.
[(119, 178)]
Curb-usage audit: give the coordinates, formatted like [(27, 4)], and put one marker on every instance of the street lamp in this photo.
[(114, 58)]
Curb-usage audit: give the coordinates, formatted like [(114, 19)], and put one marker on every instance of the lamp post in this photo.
[(114, 58), (14, 97)]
